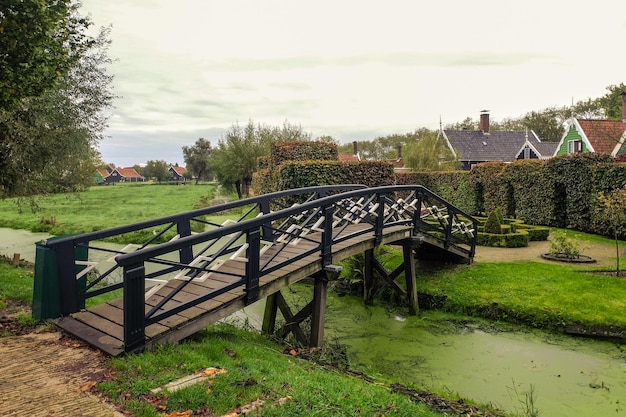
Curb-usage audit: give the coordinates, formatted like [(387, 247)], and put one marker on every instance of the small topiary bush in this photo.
[(493, 224)]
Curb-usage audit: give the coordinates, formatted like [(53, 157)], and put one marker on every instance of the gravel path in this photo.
[(604, 254)]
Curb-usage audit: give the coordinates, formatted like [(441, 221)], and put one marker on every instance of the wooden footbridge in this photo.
[(184, 272)]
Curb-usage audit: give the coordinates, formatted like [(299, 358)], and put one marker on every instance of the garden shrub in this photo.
[(493, 225), (508, 240), (561, 245)]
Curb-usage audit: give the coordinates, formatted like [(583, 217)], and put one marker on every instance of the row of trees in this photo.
[(236, 156), (54, 91)]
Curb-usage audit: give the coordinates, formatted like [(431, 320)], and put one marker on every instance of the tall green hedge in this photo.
[(453, 186), (295, 174), (532, 191), (303, 151), (559, 192)]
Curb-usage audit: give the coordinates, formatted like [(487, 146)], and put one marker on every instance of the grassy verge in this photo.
[(538, 294), (250, 368), (102, 207)]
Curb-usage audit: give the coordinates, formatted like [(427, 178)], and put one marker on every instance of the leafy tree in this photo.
[(236, 157), (48, 142), (327, 138), (159, 170), (197, 159), (40, 42), (611, 102), (467, 124), (430, 153)]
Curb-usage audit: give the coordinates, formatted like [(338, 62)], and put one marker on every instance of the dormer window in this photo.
[(574, 146)]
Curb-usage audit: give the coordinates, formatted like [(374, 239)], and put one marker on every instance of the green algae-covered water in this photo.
[(502, 365)]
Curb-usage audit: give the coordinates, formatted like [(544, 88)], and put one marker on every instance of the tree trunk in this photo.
[(238, 188), (617, 250)]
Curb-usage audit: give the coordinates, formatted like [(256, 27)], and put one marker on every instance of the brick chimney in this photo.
[(484, 121), (355, 149), (624, 106), (399, 147)]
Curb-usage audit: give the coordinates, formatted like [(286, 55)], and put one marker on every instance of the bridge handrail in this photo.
[(250, 224), (265, 198)]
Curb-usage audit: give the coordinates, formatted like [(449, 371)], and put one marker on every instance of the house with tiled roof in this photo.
[(177, 173), (599, 136), (476, 146), (353, 157), (101, 176), (124, 175)]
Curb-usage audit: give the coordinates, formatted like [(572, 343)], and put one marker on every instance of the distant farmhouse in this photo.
[(177, 173), (599, 136), (476, 146), (112, 175)]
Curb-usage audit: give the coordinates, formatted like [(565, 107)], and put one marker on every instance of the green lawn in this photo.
[(102, 207), (541, 294)]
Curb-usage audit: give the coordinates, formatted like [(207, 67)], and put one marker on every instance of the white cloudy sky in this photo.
[(351, 69)]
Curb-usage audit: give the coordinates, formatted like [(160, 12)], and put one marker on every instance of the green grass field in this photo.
[(102, 207)]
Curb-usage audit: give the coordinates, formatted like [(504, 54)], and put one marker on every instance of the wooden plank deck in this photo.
[(102, 325)]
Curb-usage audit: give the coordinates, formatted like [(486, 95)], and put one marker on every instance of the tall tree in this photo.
[(40, 41), (197, 159), (159, 170), (611, 102), (430, 153), (48, 141), (236, 158)]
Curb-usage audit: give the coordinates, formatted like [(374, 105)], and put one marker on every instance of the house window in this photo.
[(574, 146), (527, 152)]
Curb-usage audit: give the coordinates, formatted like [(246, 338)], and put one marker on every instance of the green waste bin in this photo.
[(46, 295)]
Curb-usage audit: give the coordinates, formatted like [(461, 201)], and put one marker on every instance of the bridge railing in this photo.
[(81, 278), (313, 220)]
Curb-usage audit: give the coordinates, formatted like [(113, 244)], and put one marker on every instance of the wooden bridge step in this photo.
[(94, 337)]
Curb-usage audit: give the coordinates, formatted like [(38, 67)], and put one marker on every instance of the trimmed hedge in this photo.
[(303, 151), (560, 192)]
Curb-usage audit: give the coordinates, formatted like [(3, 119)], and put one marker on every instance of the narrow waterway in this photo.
[(513, 368)]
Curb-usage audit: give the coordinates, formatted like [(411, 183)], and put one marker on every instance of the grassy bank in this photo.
[(245, 367), (102, 207), (539, 294)]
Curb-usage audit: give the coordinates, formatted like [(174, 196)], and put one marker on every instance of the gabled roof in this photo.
[(504, 146), (600, 136), (128, 172), (179, 170), (103, 173)]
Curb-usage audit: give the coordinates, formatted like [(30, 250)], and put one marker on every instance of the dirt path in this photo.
[(49, 375)]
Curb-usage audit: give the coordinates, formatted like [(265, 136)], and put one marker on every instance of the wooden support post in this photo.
[(368, 276), (319, 303), (269, 317), (134, 308), (409, 274)]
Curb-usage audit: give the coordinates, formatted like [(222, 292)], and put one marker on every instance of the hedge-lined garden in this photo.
[(567, 191)]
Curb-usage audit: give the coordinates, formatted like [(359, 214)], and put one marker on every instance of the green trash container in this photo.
[(46, 296)]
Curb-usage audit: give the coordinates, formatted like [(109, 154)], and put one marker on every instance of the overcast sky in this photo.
[(350, 69)]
